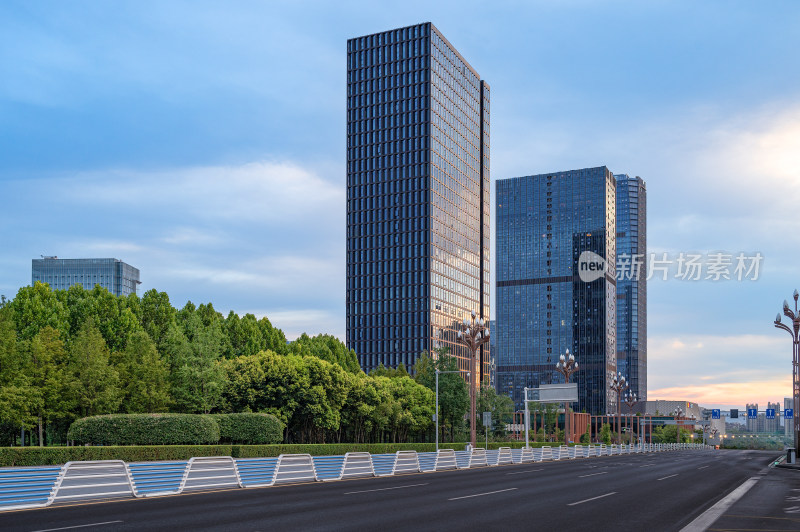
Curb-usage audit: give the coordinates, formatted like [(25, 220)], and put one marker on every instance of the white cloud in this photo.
[(298, 321), (274, 192)]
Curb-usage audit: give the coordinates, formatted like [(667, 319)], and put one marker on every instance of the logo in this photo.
[(591, 266)]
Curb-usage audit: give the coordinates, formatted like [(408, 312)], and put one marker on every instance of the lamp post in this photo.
[(678, 413), (436, 415), (794, 331), (709, 432), (566, 366), (618, 385), (473, 335), (631, 400)]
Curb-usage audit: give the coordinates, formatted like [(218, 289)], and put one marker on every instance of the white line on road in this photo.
[(480, 494), (669, 476), (79, 526), (384, 489), (593, 474), (707, 518), (592, 499), (520, 472), (703, 467)]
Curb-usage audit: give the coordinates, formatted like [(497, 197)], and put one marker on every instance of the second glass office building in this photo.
[(544, 223)]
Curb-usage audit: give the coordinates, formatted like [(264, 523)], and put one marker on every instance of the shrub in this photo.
[(249, 429), (145, 429)]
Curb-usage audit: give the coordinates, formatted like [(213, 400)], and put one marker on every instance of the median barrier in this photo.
[(34, 487)]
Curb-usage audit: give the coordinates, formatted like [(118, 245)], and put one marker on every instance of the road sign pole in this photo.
[(437, 411), (527, 417)]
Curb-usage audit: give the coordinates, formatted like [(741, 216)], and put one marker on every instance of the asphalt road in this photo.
[(663, 491)]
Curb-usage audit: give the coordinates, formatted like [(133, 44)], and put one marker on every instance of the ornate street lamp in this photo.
[(631, 400), (794, 331), (473, 335), (618, 385), (678, 413), (566, 366)]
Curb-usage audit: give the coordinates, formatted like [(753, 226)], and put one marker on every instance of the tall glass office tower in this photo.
[(417, 196), (117, 277), (632, 282), (544, 224)]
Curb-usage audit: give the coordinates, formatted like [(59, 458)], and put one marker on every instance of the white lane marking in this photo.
[(705, 466), (384, 489), (592, 499), (707, 518), (78, 526), (520, 472), (669, 476), (480, 494), (593, 474)]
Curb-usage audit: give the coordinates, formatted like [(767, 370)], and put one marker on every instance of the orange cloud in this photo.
[(729, 394)]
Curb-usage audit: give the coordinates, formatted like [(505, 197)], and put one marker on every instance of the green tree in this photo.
[(501, 407), (321, 405), (144, 376), (95, 384), (35, 308), (198, 379), (157, 314), (605, 433), (383, 371), (48, 379), (360, 421), (15, 390), (326, 347), (266, 382), (453, 391)]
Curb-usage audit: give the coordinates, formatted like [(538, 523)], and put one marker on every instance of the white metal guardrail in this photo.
[(35, 487)]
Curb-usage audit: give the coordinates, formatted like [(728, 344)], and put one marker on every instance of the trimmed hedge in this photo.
[(249, 429), (35, 456), (145, 429)]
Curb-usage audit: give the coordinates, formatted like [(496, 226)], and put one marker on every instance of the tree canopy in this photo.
[(68, 354)]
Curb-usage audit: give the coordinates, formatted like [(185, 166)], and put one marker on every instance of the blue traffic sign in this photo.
[(715, 413), (788, 413), (752, 413), (770, 413)]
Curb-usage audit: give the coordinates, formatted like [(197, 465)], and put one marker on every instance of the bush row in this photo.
[(176, 429), (36, 456)]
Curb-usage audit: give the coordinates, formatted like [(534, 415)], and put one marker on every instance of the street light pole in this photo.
[(619, 385), (631, 400), (438, 372), (794, 331), (566, 366), (678, 413), (473, 334)]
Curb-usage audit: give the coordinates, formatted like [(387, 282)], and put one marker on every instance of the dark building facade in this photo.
[(546, 226), (417, 196), (632, 282), (117, 277)]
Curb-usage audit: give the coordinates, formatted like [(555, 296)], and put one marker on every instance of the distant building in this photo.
[(752, 424), (117, 277), (548, 225), (417, 197), (771, 425), (632, 282), (661, 407)]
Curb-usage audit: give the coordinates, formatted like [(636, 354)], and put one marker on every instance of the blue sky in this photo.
[(203, 142)]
